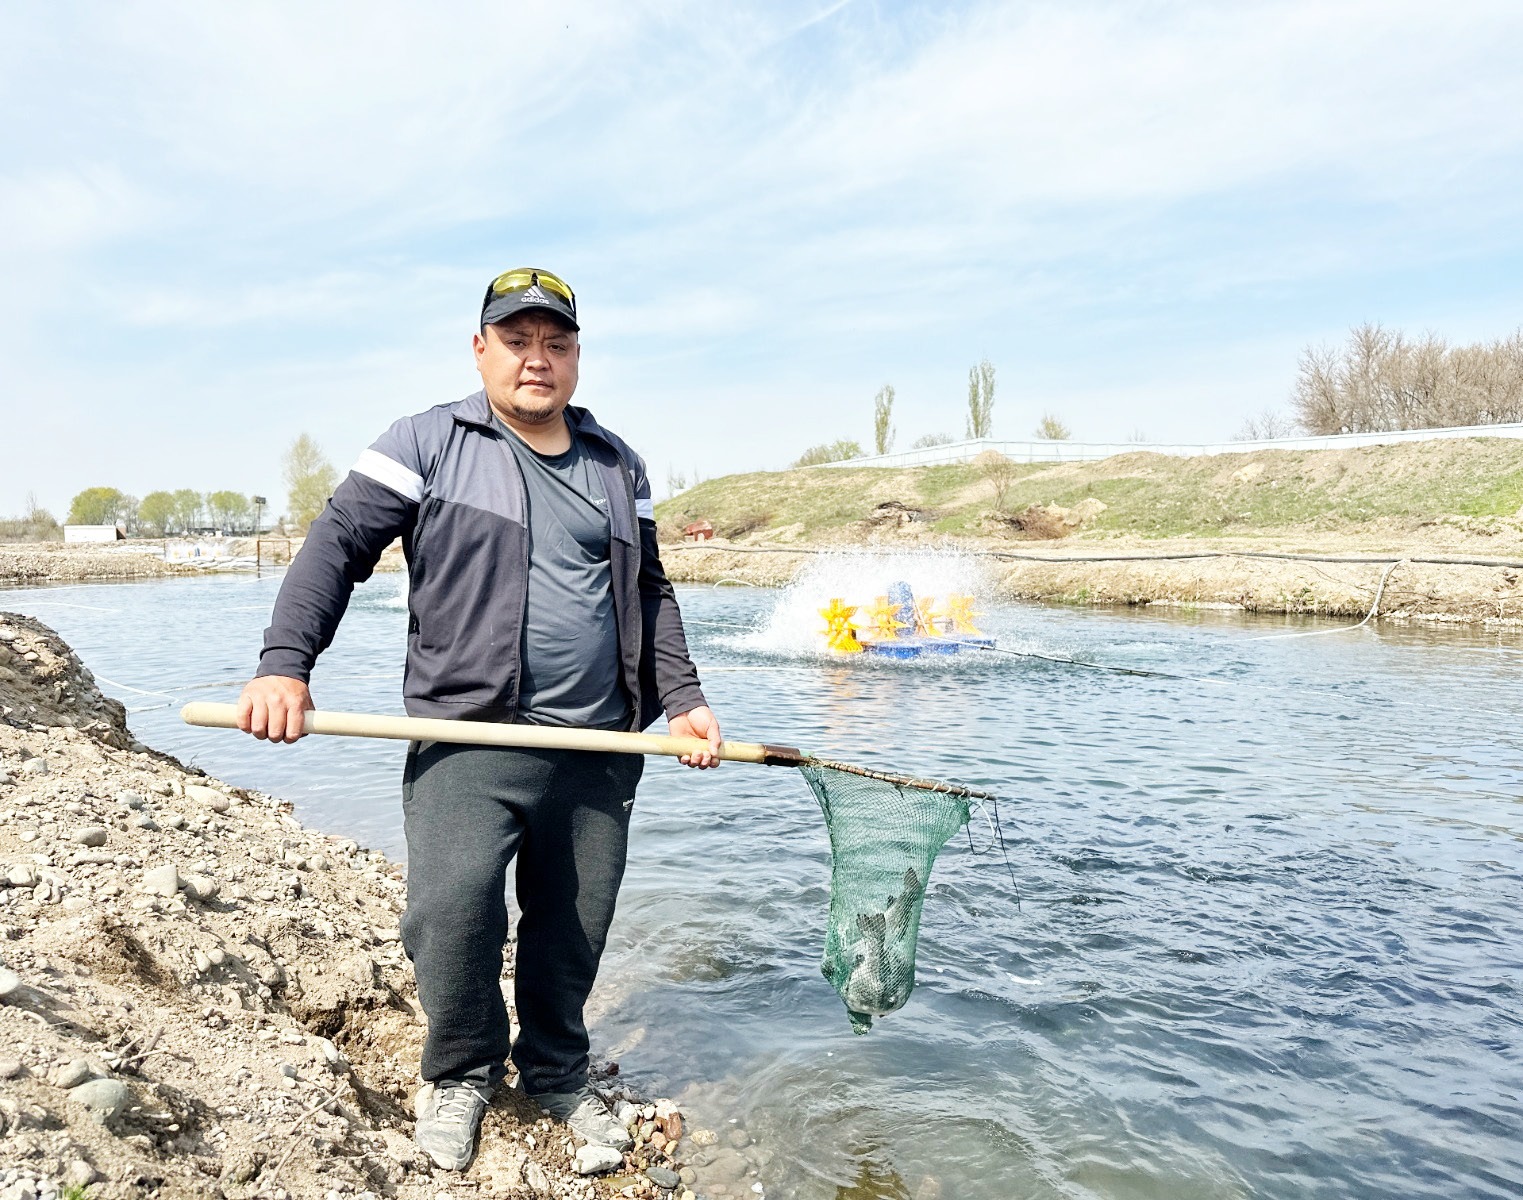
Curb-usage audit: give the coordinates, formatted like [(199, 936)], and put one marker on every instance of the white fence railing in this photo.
[(1056, 452)]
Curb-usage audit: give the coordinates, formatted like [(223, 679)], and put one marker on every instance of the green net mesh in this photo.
[(885, 833)]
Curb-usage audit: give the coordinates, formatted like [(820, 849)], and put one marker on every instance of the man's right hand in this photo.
[(272, 708)]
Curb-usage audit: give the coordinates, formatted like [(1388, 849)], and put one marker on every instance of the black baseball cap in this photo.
[(524, 288)]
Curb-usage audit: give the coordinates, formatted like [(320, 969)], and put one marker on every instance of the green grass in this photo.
[(1502, 498), (1147, 495)]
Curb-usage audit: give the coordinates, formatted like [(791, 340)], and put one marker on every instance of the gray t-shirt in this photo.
[(570, 657)]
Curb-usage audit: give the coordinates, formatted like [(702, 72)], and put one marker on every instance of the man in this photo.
[(536, 595)]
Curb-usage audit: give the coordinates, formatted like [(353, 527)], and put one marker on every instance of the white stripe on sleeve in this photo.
[(646, 509), (390, 473)]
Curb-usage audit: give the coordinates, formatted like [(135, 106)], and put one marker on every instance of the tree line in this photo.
[(182, 511), (309, 478), (1381, 380)]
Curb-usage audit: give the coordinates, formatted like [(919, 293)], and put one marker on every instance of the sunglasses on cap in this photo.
[(524, 278)]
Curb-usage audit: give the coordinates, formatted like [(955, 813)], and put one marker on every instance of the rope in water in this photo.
[(1071, 662), (1368, 617), (1067, 662)]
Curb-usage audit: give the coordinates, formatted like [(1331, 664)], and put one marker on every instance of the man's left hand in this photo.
[(699, 723)]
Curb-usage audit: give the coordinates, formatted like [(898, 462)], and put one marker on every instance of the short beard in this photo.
[(538, 414)]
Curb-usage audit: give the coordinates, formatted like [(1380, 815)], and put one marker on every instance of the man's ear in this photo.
[(479, 344)]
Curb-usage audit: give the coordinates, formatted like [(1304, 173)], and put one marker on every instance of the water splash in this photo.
[(399, 599), (792, 628)]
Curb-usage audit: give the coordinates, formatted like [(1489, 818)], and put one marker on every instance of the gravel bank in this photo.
[(200, 998), (54, 562)]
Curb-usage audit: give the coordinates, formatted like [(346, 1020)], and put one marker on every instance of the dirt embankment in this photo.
[(1187, 572), (1146, 528), (200, 998)]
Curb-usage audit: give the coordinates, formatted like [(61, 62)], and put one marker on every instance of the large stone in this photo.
[(663, 1177), (10, 983), (35, 766), (217, 801), (597, 1160), (105, 1098), (72, 1074), (21, 877), (161, 881), (199, 887), (89, 835)]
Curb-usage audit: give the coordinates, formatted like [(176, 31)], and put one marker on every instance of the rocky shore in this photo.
[(200, 998), (54, 562), (57, 562)]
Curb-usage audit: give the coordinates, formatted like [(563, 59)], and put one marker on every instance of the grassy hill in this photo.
[(1473, 482)]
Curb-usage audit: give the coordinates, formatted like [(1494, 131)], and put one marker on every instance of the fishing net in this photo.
[(885, 832)]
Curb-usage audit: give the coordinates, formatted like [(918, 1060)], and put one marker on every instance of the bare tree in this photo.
[(1381, 380), (883, 416), (981, 399), (999, 471), (926, 440), (36, 524), (1265, 427)]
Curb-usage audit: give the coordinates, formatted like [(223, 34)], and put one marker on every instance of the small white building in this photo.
[(94, 533)]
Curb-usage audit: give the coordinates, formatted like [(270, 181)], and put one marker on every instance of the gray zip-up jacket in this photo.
[(446, 483)]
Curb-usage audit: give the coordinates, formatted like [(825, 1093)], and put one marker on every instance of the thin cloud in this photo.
[(765, 207)]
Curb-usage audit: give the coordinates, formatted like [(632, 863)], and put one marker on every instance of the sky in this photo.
[(225, 225)]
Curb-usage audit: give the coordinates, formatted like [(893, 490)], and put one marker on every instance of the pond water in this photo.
[(1266, 938)]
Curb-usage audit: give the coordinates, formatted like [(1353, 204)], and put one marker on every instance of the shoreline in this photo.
[(1295, 575), (1284, 576), (27, 563), (201, 998)]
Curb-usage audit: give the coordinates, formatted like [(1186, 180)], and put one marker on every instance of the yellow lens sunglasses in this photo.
[(523, 278)]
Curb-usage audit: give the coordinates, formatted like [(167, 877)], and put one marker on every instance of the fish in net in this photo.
[(885, 833)]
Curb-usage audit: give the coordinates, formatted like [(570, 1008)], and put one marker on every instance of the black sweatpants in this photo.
[(469, 810)]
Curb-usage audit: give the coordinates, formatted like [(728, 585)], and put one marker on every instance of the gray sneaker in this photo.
[(587, 1115), (449, 1116)]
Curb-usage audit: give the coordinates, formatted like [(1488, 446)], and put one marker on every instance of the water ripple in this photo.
[(1263, 940)]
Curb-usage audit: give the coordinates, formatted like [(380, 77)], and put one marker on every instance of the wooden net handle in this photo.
[(489, 733)]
